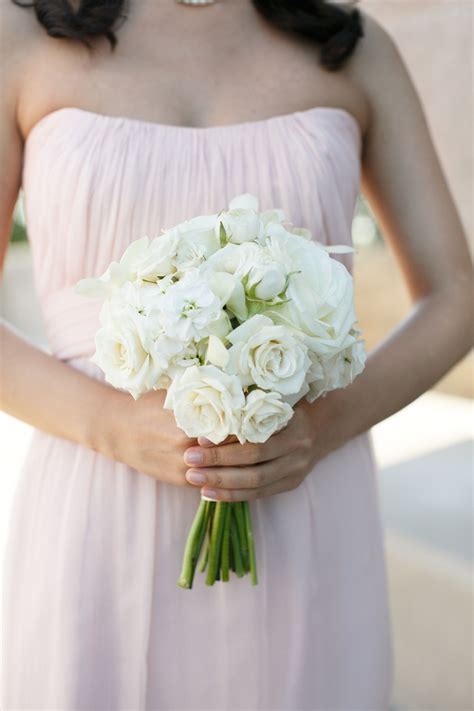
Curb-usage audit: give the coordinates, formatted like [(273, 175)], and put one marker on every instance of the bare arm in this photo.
[(40, 389), (34, 386), (404, 183)]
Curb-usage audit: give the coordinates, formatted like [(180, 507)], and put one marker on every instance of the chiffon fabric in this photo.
[(92, 615)]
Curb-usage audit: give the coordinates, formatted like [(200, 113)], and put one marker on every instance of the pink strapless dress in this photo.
[(93, 617)]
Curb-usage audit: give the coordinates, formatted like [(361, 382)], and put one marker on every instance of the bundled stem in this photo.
[(220, 539)]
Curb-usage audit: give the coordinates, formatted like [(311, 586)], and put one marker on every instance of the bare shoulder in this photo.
[(367, 68), (38, 70), (20, 34), (382, 73), (377, 37), (376, 50)]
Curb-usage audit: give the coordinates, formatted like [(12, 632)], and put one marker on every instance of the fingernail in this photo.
[(209, 494), (195, 477), (194, 457)]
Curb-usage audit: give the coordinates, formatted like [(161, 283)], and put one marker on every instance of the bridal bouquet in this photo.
[(238, 315)]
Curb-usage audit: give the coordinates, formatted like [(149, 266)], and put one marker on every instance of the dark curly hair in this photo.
[(334, 28)]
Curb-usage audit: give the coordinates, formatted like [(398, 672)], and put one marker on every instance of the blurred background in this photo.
[(425, 452)]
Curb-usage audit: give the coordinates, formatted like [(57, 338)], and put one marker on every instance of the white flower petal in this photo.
[(246, 201)]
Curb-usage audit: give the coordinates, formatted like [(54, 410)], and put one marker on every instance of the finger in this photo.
[(204, 442), (287, 483), (236, 454), (242, 477)]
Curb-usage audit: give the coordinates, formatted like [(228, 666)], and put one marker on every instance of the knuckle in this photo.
[(212, 456), (298, 466), (218, 478), (306, 441), (254, 453), (295, 482), (255, 478)]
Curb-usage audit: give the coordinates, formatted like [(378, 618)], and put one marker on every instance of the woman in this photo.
[(293, 101)]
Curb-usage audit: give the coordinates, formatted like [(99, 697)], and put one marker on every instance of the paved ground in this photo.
[(425, 454)]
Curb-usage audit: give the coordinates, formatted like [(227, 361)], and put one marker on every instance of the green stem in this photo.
[(216, 537), (210, 516), (202, 536), (248, 526), (225, 545), (193, 546), (205, 556), (234, 539), (231, 550), (240, 519)]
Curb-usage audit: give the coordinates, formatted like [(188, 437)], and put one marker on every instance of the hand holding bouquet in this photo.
[(238, 315)]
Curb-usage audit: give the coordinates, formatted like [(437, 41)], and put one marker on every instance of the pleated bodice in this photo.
[(94, 183)]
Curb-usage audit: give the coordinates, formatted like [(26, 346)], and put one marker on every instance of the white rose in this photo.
[(296, 253), (121, 354), (269, 216), (241, 222), (264, 414), (325, 318), (219, 271), (196, 240), (141, 300), (268, 282), (319, 292), (131, 347), (338, 370), (221, 326), (216, 352), (301, 232), (246, 201), (189, 307), (189, 355), (268, 356), (142, 261), (206, 403), (229, 291), (157, 260), (261, 276), (227, 259), (240, 225)]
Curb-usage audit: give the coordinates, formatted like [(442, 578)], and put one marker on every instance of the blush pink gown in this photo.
[(93, 618)]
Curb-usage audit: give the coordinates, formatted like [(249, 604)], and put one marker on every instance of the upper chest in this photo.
[(186, 75)]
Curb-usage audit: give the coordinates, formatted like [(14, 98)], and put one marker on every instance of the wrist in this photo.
[(103, 432), (334, 420)]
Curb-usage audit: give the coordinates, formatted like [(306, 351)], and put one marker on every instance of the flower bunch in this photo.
[(238, 315)]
